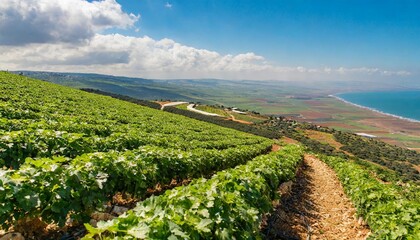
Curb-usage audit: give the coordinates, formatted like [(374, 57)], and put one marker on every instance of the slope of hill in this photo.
[(133, 87), (385, 198), (381, 180), (305, 101), (68, 156), (65, 152)]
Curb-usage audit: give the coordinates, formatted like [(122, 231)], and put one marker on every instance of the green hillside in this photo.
[(65, 152), (68, 156), (303, 100)]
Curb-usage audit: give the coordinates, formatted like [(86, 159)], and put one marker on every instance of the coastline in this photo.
[(374, 110)]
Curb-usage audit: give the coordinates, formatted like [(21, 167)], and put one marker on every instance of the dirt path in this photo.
[(170, 104), (315, 208), (191, 108), (239, 121)]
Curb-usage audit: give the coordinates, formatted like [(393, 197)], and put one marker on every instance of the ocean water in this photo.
[(403, 104)]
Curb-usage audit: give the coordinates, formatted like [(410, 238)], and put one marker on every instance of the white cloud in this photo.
[(168, 5), (46, 21), (66, 35), (146, 57)]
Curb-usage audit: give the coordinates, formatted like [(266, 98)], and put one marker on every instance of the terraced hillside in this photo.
[(65, 153)]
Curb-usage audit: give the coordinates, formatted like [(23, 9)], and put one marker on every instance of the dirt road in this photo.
[(316, 208)]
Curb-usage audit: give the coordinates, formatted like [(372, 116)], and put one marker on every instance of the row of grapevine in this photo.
[(40, 119), (392, 212), (54, 188), (64, 153), (16, 146), (230, 205)]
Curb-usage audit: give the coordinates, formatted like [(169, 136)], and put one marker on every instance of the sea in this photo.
[(401, 104)]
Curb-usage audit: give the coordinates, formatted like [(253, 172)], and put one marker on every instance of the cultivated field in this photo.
[(81, 165), (305, 101)]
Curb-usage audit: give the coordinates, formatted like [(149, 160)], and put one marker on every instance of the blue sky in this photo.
[(382, 33), (228, 39)]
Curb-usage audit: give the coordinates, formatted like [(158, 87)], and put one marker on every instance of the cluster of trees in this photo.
[(393, 157), (318, 128), (291, 129)]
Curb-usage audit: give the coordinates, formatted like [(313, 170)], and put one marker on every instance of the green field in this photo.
[(65, 156), (65, 153), (300, 100)]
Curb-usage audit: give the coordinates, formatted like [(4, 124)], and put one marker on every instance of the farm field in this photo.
[(224, 120), (303, 101), (330, 112), (71, 158), (65, 153)]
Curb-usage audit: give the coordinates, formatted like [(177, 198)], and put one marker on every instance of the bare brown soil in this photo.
[(415, 149), (289, 140), (275, 148), (316, 208), (324, 138), (163, 103), (123, 199), (232, 118), (417, 167), (327, 138), (159, 189)]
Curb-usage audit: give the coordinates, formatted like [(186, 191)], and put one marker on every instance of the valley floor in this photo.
[(316, 208)]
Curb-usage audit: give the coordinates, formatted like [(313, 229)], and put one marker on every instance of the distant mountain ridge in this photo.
[(133, 87), (210, 90)]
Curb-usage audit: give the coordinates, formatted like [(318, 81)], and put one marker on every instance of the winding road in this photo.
[(191, 108), (171, 104)]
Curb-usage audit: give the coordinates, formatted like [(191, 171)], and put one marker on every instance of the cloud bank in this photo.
[(67, 35), (69, 21)]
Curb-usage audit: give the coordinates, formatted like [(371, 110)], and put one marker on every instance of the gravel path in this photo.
[(191, 108), (237, 120), (171, 104), (315, 208)]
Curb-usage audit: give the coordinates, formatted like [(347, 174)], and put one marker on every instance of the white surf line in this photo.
[(191, 108), (375, 110), (171, 104)]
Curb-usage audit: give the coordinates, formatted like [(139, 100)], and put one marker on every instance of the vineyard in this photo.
[(67, 154), (64, 153), (391, 210), (230, 205)]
